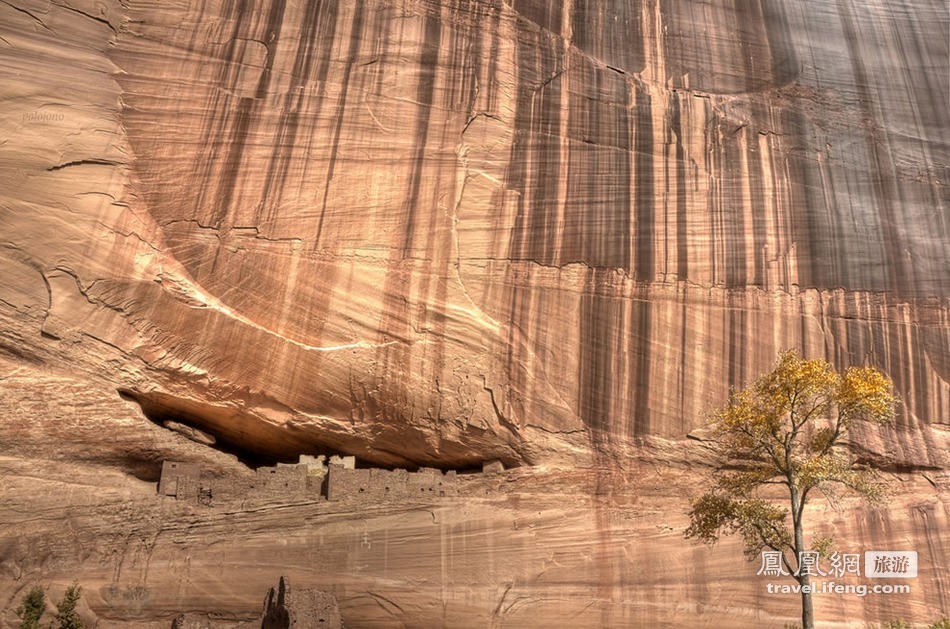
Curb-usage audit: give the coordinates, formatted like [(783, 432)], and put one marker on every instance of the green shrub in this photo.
[(66, 609), (943, 623), (32, 608), (896, 624)]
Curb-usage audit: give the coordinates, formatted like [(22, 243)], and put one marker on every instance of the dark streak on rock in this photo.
[(356, 33), (425, 92), (900, 275), (640, 335), (682, 228), (644, 201), (316, 30), (536, 159), (247, 114), (598, 317)]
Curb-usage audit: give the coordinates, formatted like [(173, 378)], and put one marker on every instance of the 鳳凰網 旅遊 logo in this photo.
[(813, 573)]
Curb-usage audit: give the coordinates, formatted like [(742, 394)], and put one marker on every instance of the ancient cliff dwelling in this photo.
[(452, 313), (312, 478)]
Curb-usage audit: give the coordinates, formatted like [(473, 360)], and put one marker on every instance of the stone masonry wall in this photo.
[(308, 480), (378, 484)]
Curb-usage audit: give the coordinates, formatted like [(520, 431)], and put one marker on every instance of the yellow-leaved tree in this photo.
[(786, 430)]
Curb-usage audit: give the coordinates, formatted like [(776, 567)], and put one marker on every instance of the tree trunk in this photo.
[(808, 610)]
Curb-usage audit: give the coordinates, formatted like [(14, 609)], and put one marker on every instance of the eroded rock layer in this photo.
[(527, 550)]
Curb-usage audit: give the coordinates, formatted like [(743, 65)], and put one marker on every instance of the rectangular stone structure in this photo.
[(176, 477)]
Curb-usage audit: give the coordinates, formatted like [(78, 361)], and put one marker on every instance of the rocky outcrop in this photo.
[(436, 233), (284, 608), (193, 621), (289, 608)]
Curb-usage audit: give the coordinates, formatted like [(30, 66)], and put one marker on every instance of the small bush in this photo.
[(943, 623), (31, 609), (896, 624), (66, 609)]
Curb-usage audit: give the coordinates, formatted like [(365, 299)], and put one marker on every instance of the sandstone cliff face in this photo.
[(423, 232), (443, 232)]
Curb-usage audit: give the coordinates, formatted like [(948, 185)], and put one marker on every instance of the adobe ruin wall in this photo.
[(313, 478)]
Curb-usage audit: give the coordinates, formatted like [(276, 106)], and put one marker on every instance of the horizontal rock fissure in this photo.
[(84, 162), (164, 411), (222, 428)]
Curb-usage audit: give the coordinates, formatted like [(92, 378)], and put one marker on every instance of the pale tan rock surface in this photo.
[(449, 232), (548, 233), (532, 549)]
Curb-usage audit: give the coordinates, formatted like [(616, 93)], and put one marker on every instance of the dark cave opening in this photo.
[(227, 431), (161, 413)]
